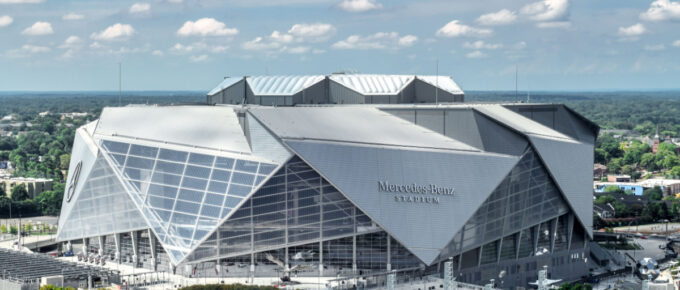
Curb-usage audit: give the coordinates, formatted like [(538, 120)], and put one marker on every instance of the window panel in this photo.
[(187, 207), (218, 187), (246, 166), (242, 178), (201, 159), (191, 195), (211, 211), (118, 159), (225, 163), (265, 168), (116, 147), (194, 183), (220, 175), (165, 178), (169, 167), (141, 163), (214, 199), (144, 151), (239, 190), (197, 171), (172, 155), (232, 201), (161, 190)]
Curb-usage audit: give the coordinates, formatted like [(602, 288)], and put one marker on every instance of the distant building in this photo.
[(72, 115), (34, 186), (634, 188), (335, 89), (599, 170), (669, 186), (618, 178)]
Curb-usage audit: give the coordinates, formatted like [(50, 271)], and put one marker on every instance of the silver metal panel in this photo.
[(85, 154), (201, 126), (445, 83), (500, 139), (373, 84), (340, 94), (264, 144), (227, 82), (281, 85), (462, 126), (408, 115), (428, 93), (570, 164), (517, 121), (358, 170), (366, 125), (431, 119)]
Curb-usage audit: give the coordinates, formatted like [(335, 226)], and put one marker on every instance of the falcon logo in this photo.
[(73, 182)]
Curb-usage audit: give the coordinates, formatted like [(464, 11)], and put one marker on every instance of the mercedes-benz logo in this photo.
[(73, 182)]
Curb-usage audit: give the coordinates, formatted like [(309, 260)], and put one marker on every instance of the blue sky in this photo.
[(193, 44)]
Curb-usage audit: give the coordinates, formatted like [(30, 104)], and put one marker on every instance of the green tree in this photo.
[(613, 189), (620, 209), (19, 193), (647, 161), (64, 160), (615, 165), (675, 171), (604, 199), (49, 202), (654, 193)]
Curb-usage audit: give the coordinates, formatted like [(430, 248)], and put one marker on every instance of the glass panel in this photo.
[(508, 247), (191, 195), (201, 159), (165, 191), (239, 190), (197, 171), (246, 166), (218, 187), (143, 151), (223, 162), (214, 199), (220, 175), (117, 147), (172, 155), (194, 183), (490, 253), (141, 163), (169, 167), (526, 243), (242, 178), (187, 207)]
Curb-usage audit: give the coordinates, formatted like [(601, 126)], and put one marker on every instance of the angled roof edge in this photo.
[(291, 84), (337, 77), (226, 83), (484, 110)]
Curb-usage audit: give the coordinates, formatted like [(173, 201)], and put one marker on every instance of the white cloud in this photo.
[(502, 17), (206, 27), (39, 28), (73, 16), (114, 32), (554, 24), (71, 42), (676, 43), (139, 8), (661, 10), (20, 1), (157, 53), (198, 47), (359, 5), (455, 29), (520, 45), (547, 10), (481, 45), (5, 20), (407, 40), (35, 49), (175, 1), (259, 43), (475, 54), (312, 31), (199, 58), (380, 40), (298, 49), (657, 47), (633, 30)]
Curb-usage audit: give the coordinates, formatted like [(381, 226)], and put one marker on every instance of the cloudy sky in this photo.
[(193, 44)]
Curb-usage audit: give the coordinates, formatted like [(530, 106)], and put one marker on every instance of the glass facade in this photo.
[(525, 197), (299, 210), (183, 195), (102, 207)]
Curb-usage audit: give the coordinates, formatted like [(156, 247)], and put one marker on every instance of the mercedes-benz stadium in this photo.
[(335, 190)]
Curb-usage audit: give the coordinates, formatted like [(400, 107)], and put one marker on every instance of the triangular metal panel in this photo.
[(571, 166), (264, 144), (103, 207), (183, 195), (83, 157), (394, 187)]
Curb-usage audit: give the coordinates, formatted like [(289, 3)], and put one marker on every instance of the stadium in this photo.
[(336, 176)]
